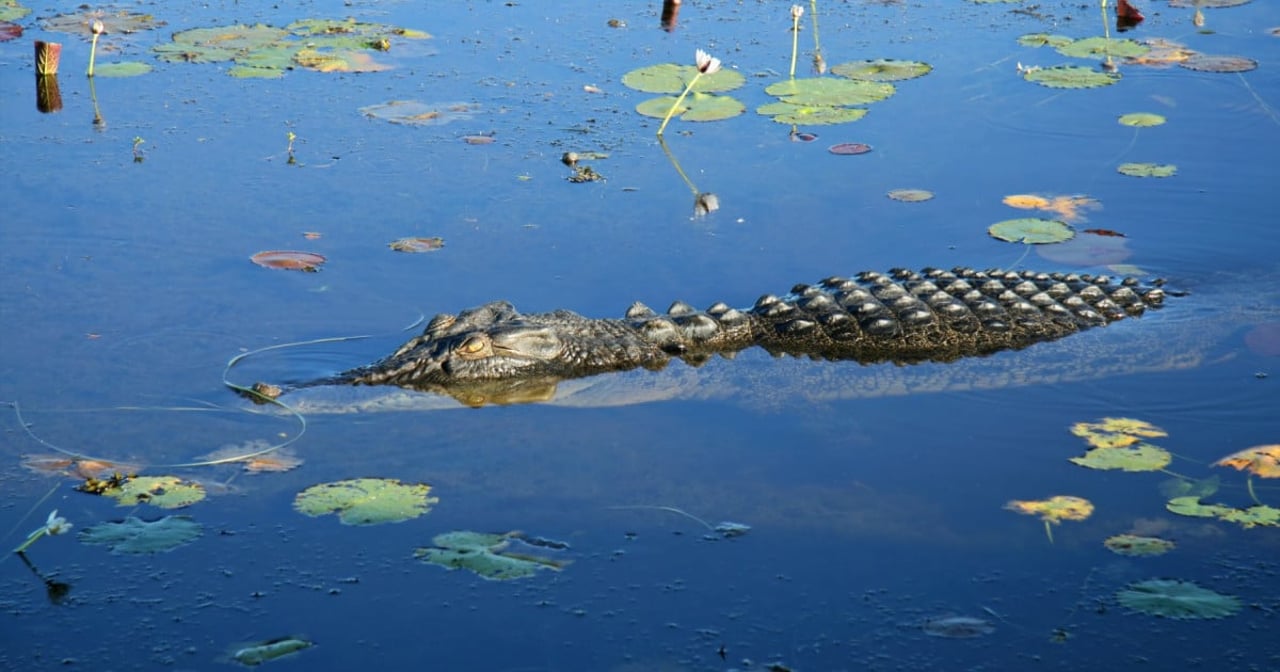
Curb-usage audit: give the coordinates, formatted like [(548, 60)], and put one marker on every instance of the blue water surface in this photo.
[(875, 495)]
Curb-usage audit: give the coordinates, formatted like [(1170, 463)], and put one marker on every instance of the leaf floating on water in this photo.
[(1138, 546), (849, 148), (1031, 230), (1141, 119), (1070, 77), (910, 195), (166, 492), (830, 91), (1163, 53), (1252, 516), (10, 10), (366, 501), (1116, 432), (1182, 600), (882, 70), (1053, 510), (1044, 40), (114, 22), (958, 627), (8, 30), (1069, 208), (122, 69), (256, 654), (416, 244), (338, 60), (1139, 457), (811, 115), (490, 556), (1208, 63), (134, 536), (1184, 487), (1261, 461), (673, 78), (212, 45), (1147, 169), (1101, 47), (695, 107), (416, 113), (289, 260)]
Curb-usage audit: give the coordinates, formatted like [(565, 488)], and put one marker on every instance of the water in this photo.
[(128, 285)]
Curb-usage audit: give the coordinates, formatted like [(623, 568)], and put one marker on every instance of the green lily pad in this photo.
[(134, 536), (1045, 40), (882, 70), (1070, 77), (260, 652), (830, 91), (1137, 457), (488, 555), (1215, 63), (417, 113), (249, 72), (366, 501), (10, 10), (1147, 169), (114, 22), (910, 195), (212, 45), (672, 78), (1101, 47), (695, 107), (811, 115), (1138, 546), (351, 27), (1252, 516), (121, 69), (166, 492), (1031, 230), (1181, 600), (1141, 119), (1186, 487)]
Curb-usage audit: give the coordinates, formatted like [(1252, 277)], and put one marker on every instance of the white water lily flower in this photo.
[(796, 12), (707, 64), (56, 524)]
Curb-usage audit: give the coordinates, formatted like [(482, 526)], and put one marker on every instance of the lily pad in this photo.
[(1263, 461), (114, 22), (9, 30), (261, 652), (1069, 208), (958, 627), (212, 45), (1101, 47), (1210, 63), (1139, 457), (1116, 432), (1142, 119), (338, 60), (1053, 510), (366, 501), (1182, 600), (695, 107), (122, 69), (811, 115), (882, 70), (488, 555), (672, 78), (1147, 169), (351, 27), (166, 492), (849, 148), (830, 91), (1045, 40), (289, 260), (250, 72), (417, 244), (416, 113), (1031, 230), (1188, 487), (11, 10), (134, 536), (1070, 77), (1252, 516), (910, 195), (1138, 546)]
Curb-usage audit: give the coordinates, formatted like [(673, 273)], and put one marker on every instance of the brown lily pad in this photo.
[(850, 148), (417, 244), (1212, 63), (289, 260)]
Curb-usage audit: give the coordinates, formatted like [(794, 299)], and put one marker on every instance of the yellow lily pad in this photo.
[(366, 501), (1053, 510), (1142, 119), (1147, 169)]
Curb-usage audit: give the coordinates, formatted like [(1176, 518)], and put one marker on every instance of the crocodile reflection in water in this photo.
[(495, 354)]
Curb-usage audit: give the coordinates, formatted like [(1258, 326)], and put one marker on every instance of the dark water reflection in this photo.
[(127, 284)]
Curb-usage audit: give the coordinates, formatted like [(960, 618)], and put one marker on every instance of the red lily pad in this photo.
[(9, 31), (289, 260), (850, 148)]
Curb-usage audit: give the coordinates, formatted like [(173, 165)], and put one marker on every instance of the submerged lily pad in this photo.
[(122, 69), (488, 555), (1140, 457), (416, 113), (830, 91), (366, 501), (672, 78), (910, 195), (1031, 230), (261, 652), (1136, 545), (882, 70), (1211, 63), (811, 115), (1147, 169), (1070, 77), (1142, 119), (958, 627), (134, 536), (166, 492), (1171, 598), (1101, 47), (695, 107)]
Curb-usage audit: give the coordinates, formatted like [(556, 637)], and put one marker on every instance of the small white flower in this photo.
[(97, 28), (796, 12), (707, 65), (56, 524)]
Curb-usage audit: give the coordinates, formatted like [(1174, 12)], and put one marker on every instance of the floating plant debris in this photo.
[(958, 627), (289, 260), (134, 536), (1171, 598), (1031, 230), (1147, 169), (417, 244), (366, 501)]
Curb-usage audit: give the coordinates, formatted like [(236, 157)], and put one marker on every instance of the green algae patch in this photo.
[(695, 107), (1031, 230), (494, 557), (1070, 77), (882, 70), (134, 536), (366, 501), (1182, 600), (673, 78), (1147, 169)]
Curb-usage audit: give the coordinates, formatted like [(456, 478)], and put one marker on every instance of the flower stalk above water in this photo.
[(53, 526), (97, 28), (707, 65), (797, 11)]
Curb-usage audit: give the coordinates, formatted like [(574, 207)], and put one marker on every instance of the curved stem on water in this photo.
[(676, 105)]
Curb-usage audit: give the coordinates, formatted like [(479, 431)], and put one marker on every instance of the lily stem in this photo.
[(795, 42), (676, 105), (93, 50)]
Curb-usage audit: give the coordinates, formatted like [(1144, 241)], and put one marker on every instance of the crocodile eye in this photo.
[(472, 346)]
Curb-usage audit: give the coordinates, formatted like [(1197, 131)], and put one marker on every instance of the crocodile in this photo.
[(902, 317)]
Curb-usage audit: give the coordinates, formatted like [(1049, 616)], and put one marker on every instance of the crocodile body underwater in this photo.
[(903, 317)]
